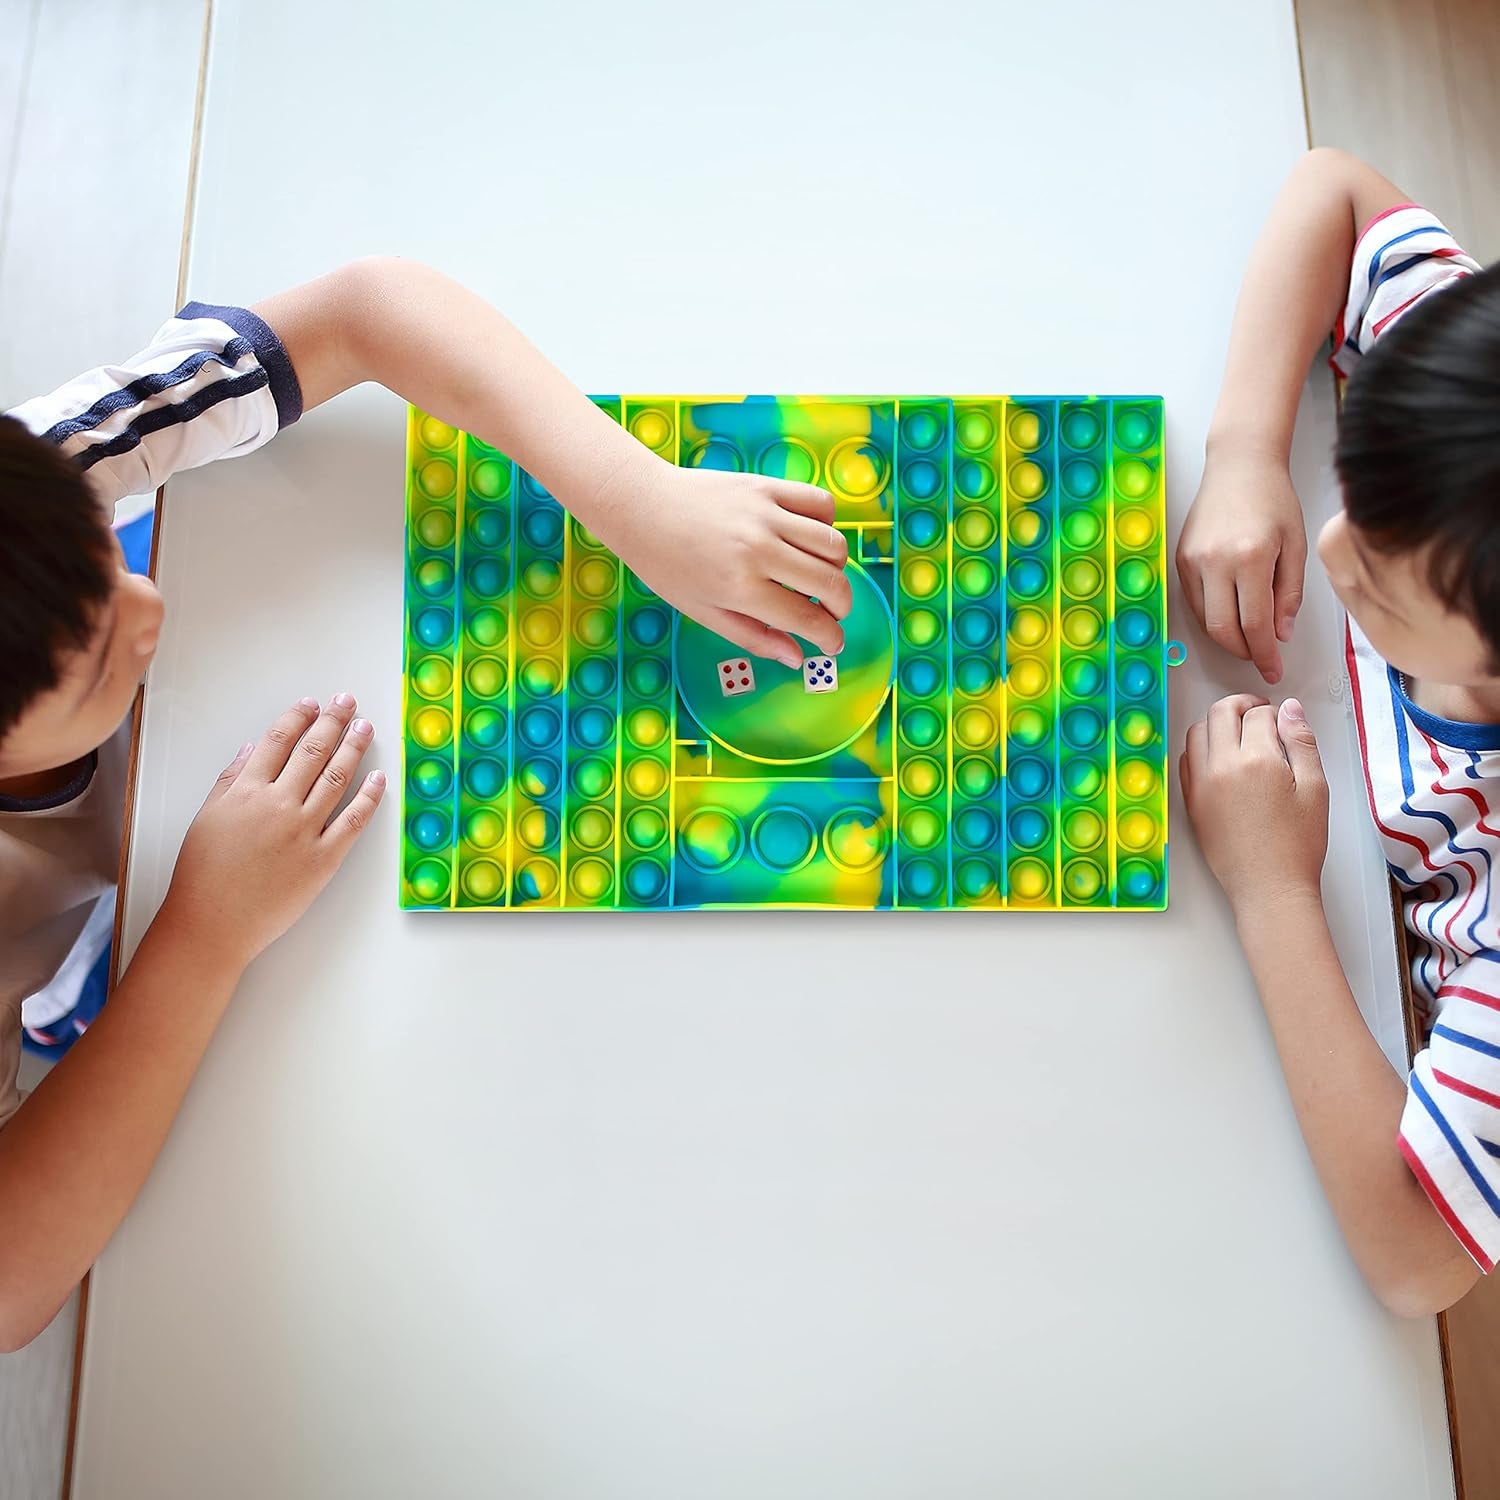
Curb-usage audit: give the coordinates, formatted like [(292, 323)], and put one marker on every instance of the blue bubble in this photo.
[(429, 829), (1082, 727), (1029, 828), (921, 879), (543, 526), (975, 675), (434, 626), (645, 880), (922, 480), (1137, 679), (1135, 628), (1029, 777), (975, 627), (594, 676), (975, 828), (486, 577), (920, 676), (921, 528), (592, 727), (484, 778), (488, 527), (1028, 577), (540, 726), (1138, 880), (648, 627)]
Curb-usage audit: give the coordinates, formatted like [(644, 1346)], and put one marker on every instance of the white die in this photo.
[(736, 676), (820, 674)]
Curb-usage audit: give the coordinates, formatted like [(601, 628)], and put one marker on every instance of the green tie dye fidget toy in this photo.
[(991, 737)]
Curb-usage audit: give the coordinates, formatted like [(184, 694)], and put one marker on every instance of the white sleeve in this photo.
[(214, 382), (1401, 255)]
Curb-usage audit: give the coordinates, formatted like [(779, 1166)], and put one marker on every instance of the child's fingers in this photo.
[(338, 774), (1257, 622), (814, 537), (754, 636), (275, 745), (314, 750), (1286, 586), (1221, 614), (805, 499), (350, 823), (1226, 721), (1258, 731), (231, 773), (815, 578), (782, 609)]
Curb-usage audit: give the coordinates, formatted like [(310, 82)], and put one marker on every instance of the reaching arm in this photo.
[(1244, 546), (75, 1155), (745, 555)]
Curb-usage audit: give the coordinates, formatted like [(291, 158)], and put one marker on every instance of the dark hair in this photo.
[(1418, 449), (56, 566)]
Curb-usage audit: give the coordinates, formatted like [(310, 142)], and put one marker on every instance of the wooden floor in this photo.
[(1413, 86)]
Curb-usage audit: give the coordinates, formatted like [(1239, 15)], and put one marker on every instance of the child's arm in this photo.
[(717, 546), (1244, 547), (1255, 791), (75, 1155)]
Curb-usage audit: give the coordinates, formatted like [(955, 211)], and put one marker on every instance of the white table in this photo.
[(883, 1207)]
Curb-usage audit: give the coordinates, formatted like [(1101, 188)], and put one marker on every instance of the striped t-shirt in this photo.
[(213, 383), (1434, 791)]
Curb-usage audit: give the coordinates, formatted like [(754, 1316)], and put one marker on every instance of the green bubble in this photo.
[(429, 881), (490, 479), (1081, 529), (974, 577), (1134, 578), (975, 777), (435, 529), (921, 627)]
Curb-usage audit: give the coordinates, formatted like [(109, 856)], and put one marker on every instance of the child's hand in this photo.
[(266, 841), (1255, 790), (1241, 557), (720, 547)]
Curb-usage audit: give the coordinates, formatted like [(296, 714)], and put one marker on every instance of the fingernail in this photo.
[(311, 704), (245, 749), (362, 726), (793, 662), (377, 779), (1294, 711), (343, 700)]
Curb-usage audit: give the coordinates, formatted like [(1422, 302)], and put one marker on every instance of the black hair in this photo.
[(56, 567), (1418, 449)]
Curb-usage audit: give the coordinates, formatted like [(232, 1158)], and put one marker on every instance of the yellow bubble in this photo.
[(533, 828), (921, 828), (432, 728), (1083, 829), (1081, 578), (1133, 478), (485, 828), (1137, 779), (1081, 627), (1137, 830), (646, 778), (1136, 729), (483, 880), (1028, 678), (1028, 627), (856, 469), (437, 477), (1134, 528), (593, 828), (1029, 879), (1025, 430), (650, 428), (485, 676), (921, 777), (854, 841), (436, 529), (435, 434), (1025, 528), (1027, 480), (591, 878), (974, 727), (647, 727), (596, 577), (541, 626), (433, 677), (921, 578)]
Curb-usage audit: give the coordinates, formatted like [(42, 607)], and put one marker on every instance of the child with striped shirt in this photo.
[(1411, 1170)]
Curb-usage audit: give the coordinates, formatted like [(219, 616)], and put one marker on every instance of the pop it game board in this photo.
[(991, 737)]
